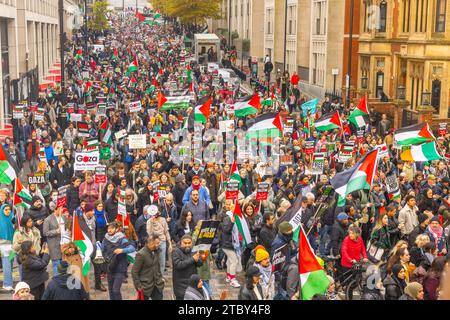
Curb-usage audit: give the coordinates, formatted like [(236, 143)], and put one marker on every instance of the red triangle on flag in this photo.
[(362, 105), (277, 123), (2, 154), (161, 99), (104, 125), (369, 166), (425, 132), (336, 119), (255, 102), (77, 234), (206, 108), (237, 210), (306, 257)]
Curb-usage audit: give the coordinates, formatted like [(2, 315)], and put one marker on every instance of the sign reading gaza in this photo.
[(206, 235), (86, 160)]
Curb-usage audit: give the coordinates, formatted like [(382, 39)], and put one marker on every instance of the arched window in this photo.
[(383, 15)]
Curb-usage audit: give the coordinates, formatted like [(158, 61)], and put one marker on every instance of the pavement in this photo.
[(217, 283)]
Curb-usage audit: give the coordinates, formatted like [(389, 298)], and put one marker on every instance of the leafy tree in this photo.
[(189, 11), (97, 19)]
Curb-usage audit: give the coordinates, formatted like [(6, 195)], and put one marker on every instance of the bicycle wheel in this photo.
[(353, 291)]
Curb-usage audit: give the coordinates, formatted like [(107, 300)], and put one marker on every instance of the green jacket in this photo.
[(204, 271), (381, 238)]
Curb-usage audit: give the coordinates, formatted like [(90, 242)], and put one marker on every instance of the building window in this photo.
[(406, 15), (383, 16), (440, 15), (379, 84), (436, 95)]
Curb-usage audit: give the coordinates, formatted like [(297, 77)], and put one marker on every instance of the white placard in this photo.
[(135, 106), (120, 134), (76, 117), (86, 160), (226, 125), (137, 141)]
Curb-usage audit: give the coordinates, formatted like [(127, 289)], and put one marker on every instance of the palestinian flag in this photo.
[(161, 99), (131, 257), (133, 81), (115, 55), (234, 173), (189, 73), (356, 178), (266, 125), (242, 225), (133, 67), (313, 279), (88, 87), (150, 89), (91, 144), (328, 122), (203, 110), (396, 194), (415, 134), (79, 54), (84, 244), (179, 102), (359, 116), (8, 170), (423, 152), (267, 102), (247, 105), (140, 16), (293, 215), (22, 196)]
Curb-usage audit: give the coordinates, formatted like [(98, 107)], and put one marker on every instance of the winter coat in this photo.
[(141, 229), (352, 250), (184, 266), (58, 178), (203, 195), (34, 270), (194, 294), (371, 294), (267, 235), (441, 242), (146, 272), (213, 186), (111, 207), (381, 239), (430, 286), (405, 297), (394, 289), (247, 293), (117, 263), (200, 211), (57, 289), (227, 234), (169, 212), (179, 230), (338, 233), (281, 240), (30, 155), (38, 214), (20, 237), (52, 232), (73, 199), (418, 230)]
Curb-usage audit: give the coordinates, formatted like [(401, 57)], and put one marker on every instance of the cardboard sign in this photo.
[(33, 106), (391, 183), (360, 136), (70, 108), (289, 125), (286, 160), (75, 117), (83, 129), (155, 186), (279, 258), (39, 114), (330, 148), (232, 192), (137, 141), (36, 178), (262, 192), (121, 134), (135, 106), (62, 197), (58, 149), (442, 129), (205, 235), (86, 160), (309, 147), (318, 163), (18, 111), (100, 174), (101, 110)]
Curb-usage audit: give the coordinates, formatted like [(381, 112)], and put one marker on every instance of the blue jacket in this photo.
[(6, 225), (203, 195), (50, 155), (117, 263)]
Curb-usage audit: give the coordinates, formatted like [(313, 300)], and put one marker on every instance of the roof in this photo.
[(206, 36)]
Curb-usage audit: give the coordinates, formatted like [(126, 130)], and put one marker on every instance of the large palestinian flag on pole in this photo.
[(423, 152), (22, 196), (203, 109), (328, 122), (359, 116), (234, 173), (415, 134), (170, 103), (359, 177), (293, 215), (313, 279), (247, 105), (266, 125), (133, 67), (84, 244)]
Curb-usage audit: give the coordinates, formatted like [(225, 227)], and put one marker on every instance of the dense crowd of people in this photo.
[(166, 198)]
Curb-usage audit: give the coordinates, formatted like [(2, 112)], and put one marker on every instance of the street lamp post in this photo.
[(85, 29), (285, 32), (350, 40), (229, 24)]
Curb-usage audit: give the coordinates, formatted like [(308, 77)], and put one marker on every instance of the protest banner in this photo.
[(137, 141), (318, 163), (36, 178), (309, 147), (75, 117), (86, 160), (262, 192), (286, 159), (442, 129), (279, 258), (232, 192), (205, 235), (120, 134), (62, 197), (100, 174), (18, 111), (391, 183), (58, 149), (135, 106), (83, 129), (288, 125)]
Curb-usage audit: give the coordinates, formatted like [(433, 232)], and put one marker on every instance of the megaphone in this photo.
[(98, 255)]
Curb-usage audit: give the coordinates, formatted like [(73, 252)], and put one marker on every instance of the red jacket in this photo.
[(352, 250)]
